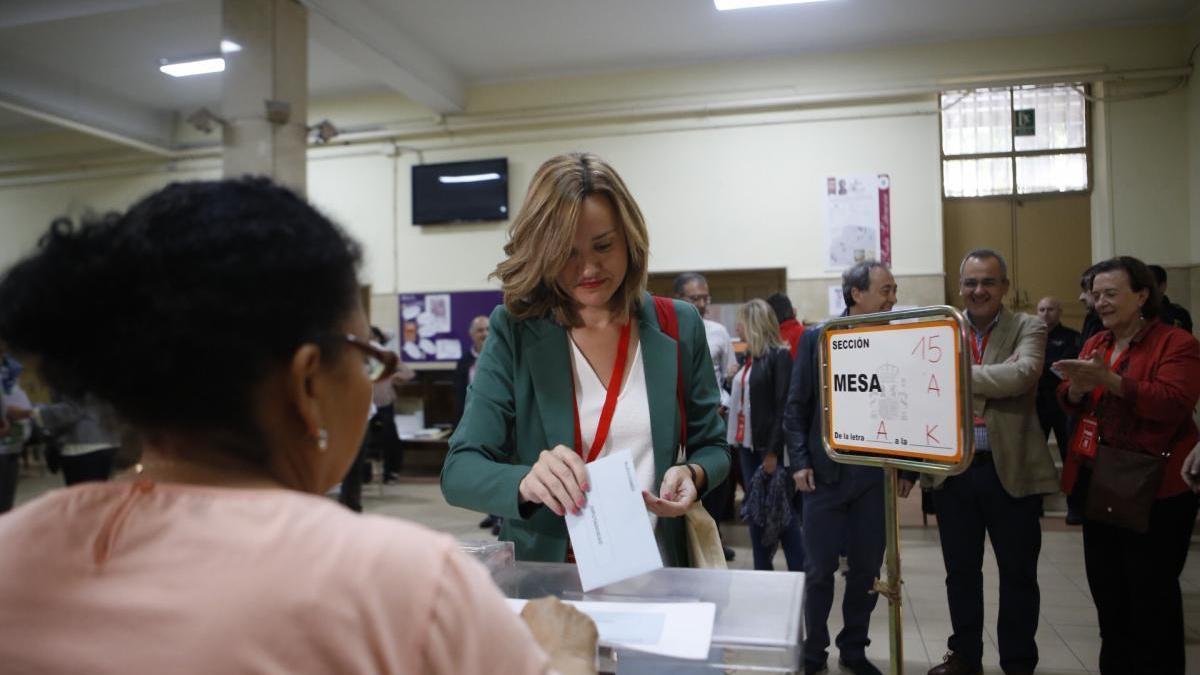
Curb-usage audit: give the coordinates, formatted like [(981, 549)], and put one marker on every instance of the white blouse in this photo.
[(630, 428), (739, 402)]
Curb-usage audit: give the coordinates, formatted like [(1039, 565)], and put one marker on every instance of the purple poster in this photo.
[(434, 327)]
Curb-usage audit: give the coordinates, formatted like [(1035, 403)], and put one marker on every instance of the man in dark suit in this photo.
[(1061, 343), (464, 373), (843, 503)]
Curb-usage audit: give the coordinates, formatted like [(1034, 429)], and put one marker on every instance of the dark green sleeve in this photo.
[(706, 430), (478, 473)]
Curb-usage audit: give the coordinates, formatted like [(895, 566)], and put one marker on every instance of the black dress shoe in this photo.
[(729, 553), (953, 664), (859, 666), (812, 667)]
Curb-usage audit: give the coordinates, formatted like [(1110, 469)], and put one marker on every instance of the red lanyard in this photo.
[(978, 347), (1098, 392), (610, 401), (741, 418)]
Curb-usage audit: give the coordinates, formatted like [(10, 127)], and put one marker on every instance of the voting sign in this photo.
[(896, 391)]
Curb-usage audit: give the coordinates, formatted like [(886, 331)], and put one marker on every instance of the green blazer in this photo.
[(520, 403)]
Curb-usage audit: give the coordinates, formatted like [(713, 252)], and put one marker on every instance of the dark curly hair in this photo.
[(176, 310), (1140, 278)]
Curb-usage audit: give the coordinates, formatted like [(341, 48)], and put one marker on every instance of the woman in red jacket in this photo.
[(1134, 386)]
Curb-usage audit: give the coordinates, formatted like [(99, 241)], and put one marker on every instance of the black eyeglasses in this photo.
[(378, 363)]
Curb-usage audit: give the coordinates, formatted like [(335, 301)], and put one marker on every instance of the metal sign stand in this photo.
[(891, 588)]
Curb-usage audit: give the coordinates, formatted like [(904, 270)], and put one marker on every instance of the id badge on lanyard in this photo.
[(1087, 433), (741, 416)]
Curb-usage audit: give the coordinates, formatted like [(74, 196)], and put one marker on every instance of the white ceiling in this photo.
[(94, 62)]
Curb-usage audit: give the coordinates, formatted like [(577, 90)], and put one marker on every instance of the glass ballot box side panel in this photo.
[(758, 614)]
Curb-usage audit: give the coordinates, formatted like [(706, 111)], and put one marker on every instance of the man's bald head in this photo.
[(1049, 310), (479, 332)]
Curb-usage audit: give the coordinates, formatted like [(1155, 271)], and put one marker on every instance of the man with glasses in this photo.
[(693, 287), (1000, 494)]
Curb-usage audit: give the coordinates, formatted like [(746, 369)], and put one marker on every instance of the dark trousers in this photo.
[(970, 505), (1134, 579), (90, 466), (350, 493), (381, 434), (847, 514), (792, 537), (10, 466)]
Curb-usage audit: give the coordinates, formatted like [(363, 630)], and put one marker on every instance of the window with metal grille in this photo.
[(1014, 141)]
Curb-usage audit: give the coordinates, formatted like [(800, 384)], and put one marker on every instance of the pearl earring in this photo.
[(322, 440)]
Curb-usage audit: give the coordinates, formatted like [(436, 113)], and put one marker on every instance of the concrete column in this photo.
[(264, 97)]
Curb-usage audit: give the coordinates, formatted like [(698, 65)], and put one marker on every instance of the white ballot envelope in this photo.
[(611, 536)]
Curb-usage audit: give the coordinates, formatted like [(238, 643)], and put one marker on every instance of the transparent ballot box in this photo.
[(757, 627)]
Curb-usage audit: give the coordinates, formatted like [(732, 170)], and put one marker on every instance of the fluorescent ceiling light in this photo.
[(469, 178), (746, 4), (229, 46), (214, 64)]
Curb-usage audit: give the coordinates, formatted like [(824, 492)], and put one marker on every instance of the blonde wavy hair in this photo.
[(761, 327), (541, 237)]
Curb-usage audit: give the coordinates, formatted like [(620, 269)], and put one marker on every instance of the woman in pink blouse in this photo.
[(220, 320)]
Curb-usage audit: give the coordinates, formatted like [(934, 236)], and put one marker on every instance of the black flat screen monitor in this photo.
[(456, 192)]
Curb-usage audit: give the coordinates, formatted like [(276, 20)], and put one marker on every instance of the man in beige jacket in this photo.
[(1000, 493)]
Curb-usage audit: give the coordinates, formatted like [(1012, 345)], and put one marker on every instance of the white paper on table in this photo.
[(448, 349), (681, 630), (611, 536)]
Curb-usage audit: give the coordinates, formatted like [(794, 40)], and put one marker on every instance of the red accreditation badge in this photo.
[(1086, 436), (741, 427)]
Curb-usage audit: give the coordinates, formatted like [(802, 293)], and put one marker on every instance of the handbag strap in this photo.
[(668, 322)]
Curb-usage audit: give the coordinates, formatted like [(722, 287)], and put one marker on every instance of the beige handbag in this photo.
[(704, 541)]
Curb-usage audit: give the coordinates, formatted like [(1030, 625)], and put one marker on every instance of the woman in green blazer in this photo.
[(574, 292)]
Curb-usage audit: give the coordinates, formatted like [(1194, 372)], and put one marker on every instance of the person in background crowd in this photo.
[(381, 431), (577, 324), (790, 329), (755, 433), (1091, 320), (843, 503), (1134, 387), (246, 369), (464, 374), (692, 287), (1061, 343), (1000, 494), (464, 371), (1172, 314), (88, 435), (15, 410)]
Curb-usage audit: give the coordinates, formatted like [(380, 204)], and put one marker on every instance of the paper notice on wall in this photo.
[(837, 301), (857, 220), (449, 349), (437, 308)]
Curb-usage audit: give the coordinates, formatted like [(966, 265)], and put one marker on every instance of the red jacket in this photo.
[(791, 331), (1159, 389)]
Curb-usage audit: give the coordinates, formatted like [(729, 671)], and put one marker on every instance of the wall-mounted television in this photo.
[(455, 192)]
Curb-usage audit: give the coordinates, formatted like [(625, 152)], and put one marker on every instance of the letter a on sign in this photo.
[(933, 385), (882, 431)]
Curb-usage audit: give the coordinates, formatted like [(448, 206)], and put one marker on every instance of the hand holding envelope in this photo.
[(611, 534)]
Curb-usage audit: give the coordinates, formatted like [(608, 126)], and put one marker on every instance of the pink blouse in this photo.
[(166, 578)]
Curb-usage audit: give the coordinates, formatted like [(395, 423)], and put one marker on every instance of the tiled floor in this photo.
[(1068, 639)]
